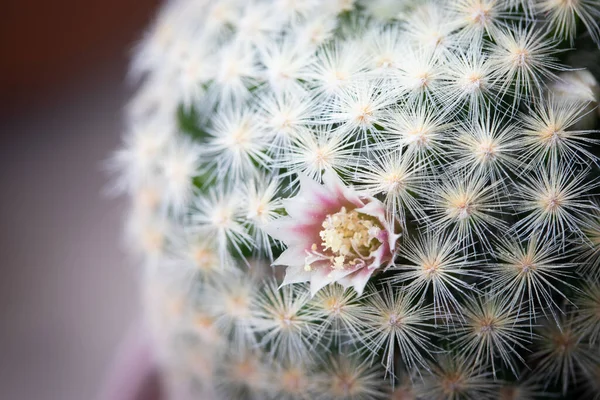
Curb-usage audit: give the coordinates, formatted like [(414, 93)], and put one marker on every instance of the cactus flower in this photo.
[(334, 234)]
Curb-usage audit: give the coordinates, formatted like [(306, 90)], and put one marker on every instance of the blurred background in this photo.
[(68, 292)]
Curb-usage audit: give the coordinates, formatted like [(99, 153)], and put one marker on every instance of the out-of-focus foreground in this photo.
[(67, 289)]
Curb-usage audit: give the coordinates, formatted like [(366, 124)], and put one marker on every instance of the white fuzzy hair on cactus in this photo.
[(347, 199)]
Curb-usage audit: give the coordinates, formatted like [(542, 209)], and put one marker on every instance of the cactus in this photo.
[(370, 199)]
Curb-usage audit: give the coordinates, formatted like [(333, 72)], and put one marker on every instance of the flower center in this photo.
[(349, 236)]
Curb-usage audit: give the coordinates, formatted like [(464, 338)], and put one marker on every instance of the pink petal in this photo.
[(312, 192), (296, 274), (335, 185), (322, 277), (379, 256), (393, 239), (301, 210), (292, 232), (292, 256), (358, 280), (374, 208)]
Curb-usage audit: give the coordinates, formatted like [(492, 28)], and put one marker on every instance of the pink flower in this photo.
[(333, 234)]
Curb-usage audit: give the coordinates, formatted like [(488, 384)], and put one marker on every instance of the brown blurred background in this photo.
[(68, 290)]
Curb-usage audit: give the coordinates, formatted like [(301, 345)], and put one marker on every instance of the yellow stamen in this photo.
[(349, 235)]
